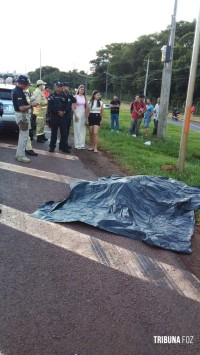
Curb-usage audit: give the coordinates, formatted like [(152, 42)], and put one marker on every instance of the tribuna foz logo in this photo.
[(173, 339)]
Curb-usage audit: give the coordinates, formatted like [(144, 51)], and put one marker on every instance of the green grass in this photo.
[(140, 159)]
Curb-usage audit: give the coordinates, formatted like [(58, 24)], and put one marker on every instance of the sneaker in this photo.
[(40, 140), (133, 135), (23, 159)]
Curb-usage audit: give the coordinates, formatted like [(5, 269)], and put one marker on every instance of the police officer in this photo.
[(22, 107), (59, 106), (70, 109)]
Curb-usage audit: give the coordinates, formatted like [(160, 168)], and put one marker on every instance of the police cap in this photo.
[(58, 83), (22, 79)]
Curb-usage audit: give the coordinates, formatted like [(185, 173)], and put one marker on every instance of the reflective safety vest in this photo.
[(39, 97)]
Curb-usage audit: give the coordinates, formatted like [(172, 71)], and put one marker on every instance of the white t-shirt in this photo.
[(157, 109), (95, 108)]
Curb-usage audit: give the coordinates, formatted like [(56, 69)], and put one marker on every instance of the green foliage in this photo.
[(126, 65)]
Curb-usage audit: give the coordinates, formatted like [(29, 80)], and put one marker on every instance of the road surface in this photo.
[(73, 289)]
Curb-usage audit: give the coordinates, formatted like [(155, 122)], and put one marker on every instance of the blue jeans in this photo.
[(135, 126), (114, 121)]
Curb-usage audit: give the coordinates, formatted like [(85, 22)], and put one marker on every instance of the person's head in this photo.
[(23, 82), (65, 87), (141, 98), (137, 98), (58, 87), (81, 90), (148, 101), (115, 97), (40, 84), (46, 87), (158, 100), (95, 95)]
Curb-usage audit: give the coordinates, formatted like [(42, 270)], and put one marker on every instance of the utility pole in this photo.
[(40, 66), (190, 92), (166, 77), (146, 78)]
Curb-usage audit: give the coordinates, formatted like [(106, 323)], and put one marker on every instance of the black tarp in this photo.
[(156, 210)]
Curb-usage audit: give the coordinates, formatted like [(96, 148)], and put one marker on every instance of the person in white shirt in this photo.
[(95, 118), (156, 116)]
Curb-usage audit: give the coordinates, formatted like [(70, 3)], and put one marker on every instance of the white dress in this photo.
[(80, 127)]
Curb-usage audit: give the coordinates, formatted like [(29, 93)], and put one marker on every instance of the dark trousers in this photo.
[(155, 130), (62, 123)]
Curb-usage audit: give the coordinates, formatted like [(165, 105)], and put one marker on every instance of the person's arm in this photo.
[(28, 107)]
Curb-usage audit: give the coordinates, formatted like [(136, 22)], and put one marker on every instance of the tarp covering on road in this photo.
[(156, 210)]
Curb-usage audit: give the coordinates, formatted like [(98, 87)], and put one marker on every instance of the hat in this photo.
[(58, 83), (23, 79), (40, 82), (65, 84)]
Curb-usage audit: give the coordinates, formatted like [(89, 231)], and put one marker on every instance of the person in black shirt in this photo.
[(59, 106), (70, 110), (22, 107), (114, 113)]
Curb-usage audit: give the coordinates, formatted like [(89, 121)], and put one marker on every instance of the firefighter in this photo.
[(40, 111)]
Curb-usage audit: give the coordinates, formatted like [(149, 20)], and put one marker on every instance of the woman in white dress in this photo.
[(81, 108), (95, 118)]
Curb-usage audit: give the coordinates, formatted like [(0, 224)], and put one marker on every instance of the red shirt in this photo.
[(46, 93), (138, 106)]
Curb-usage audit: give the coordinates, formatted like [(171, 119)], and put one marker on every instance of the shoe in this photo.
[(82, 147), (23, 159), (90, 149), (44, 138), (133, 135), (40, 140), (31, 152), (78, 147), (66, 151), (96, 151), (51, 150)]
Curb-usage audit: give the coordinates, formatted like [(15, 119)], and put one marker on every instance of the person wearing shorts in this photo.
[(147, 116), (95, 117)]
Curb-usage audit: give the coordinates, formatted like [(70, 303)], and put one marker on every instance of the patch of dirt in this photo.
[(103, 164), (168, 167)]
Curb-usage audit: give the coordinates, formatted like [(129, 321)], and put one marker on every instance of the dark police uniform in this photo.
[(59, 102), (70, 100)]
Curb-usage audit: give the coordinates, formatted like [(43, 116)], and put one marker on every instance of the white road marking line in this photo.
[(42, 152), (38, 173), (119, 258)]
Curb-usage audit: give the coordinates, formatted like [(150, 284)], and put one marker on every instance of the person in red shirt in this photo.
[(139, 108), (46, 91)]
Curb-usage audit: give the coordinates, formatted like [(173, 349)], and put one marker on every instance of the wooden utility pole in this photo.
[(166, 78), (190, 92)]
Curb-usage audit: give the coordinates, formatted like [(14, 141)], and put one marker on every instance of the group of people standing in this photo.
[(58, 109), (140, 109)]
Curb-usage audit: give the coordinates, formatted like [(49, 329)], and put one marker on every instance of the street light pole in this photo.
[(190, 92), (146, 78), (40, 66), (166, 80)]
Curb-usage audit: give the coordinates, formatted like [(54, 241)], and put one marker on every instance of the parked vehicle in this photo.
[(106, 106), (7, 120)]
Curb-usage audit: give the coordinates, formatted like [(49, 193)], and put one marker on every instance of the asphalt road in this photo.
[(73, 289), (194, 126)]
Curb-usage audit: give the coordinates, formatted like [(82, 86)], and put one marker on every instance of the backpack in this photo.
[(1, 109)]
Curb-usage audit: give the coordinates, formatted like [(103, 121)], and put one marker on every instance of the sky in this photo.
[(68, 34)]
